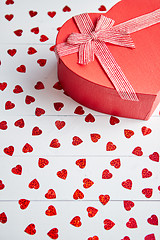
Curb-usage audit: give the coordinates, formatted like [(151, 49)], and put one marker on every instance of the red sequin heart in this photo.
[(114, 120), (51, 211), (76, 141), (21, 69), (104, 199), (76, 221), (42, 162), (17, 89), (23, 203), (9, 105), (62, 174), (3, 125), (19, 123), (128, 205), (110, 146), (78, 195), (3, 86), (150, 237), (53, 233), (90, 118), (11, 52), (137, 151), (58, 106), (34, 184), (116, 163), (92, 211), (87, 183), (39, 85), (32, 13), (42, 62), (9, 150), (31, 51), (154, 157), (27, 148), (17, 170), (57, 86), (18, 32), (102, 8), (51, 14), (79, 110), (95, 137), (39, 112), (55, 143), (9, 17), (3, 217), (30, 229), (145, 131), (9, 2), (106, 174), (43, 38), (60, 124), (146, 173), (108, 224), (66, 9), (153, 220), (35, 30), (50, 194), (131, 223), (147, 192), (29, 99), (93, 238), (81, 163), (128, 133), (36, 131), (127, 184), (2, 186)]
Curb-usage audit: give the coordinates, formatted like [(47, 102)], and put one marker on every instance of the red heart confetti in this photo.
[(18, 32), (66, 9), (93, 238), (95, 137), (29, 99), (62, 174), (17, 170), (42, 162), (116, 163), (58, 106), (34, 184), (78, 195), (9, 17), (27, 148), (76, 141), (9, 105), (110, 146), (30, 229), (126, 238), (39, 112), (55, 143), (3, 125), (17, 89), (146, 173), (9, 2), (50, 194), (145, 131), (147, 192), (108, 224), (35, 30), (3, 86), (92, 211), (153, 220), (90, 118), (31, 51), (104, 199), (52, 48), (3, 217), (114, 120), (2, 186), (39, 85), (33, 13), (9, 150), (106, 174), (23, 203), (51, 14), (42, 62), (51, 211), (43, 38), (79, 110), (81, 163), (127, 184), (137, 151), (19, 123), (58, 29), (53, 233), (150, 237), (87, 183), (36, 131), (21, 69), (60, 124), (76, 221), (128, 133), (154, 157), (128, 205), (57, 86), (102, 8), (131, 223), (11, 52)]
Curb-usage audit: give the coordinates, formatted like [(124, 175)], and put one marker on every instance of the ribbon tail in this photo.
[(86, 52), (114, 72)]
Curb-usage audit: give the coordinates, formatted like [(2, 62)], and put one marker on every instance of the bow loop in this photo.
[(104, 23)]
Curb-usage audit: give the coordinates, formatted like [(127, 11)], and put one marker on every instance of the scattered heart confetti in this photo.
[(23, 203), (93, 238), (78, 195), (39, 112), (8, 2), (131, 223), (9, 105), (50, 194), (57, 86), (19, 123), (55, 143), (66, 9), (17, 89), (42, 162), (30, 229), (34, 184), (81, 163), (146, 173), (31, 51), (29, 99), (9, 150), (42, 62), (18, 32), (154, 157), (90, 118), (76, 141), (106, 174), (33, 13), (116, 163), (9, 17), (92, 211), (79, 110), (102, 8), (128, 133), (58, 106), (60, 124), (3, 125), (147, 192), (145, 131), (62, 174), (95, 137), (27, 148), (87, 183), (35, 30), (114, 120), (108, 224), (150, 237), (126, 238), (39, 86), (52, 48), (2, 186), (76, 221), (128, 205), (17, 170), (53, 233), (137, 151), (36, 131), (51, 14), (21, 69), (104, 199), (110, 146), (127, 184), (11, 52), (3, 217), (3, 86), (43, 38), (153, 220), (58, 28), (51, 211)]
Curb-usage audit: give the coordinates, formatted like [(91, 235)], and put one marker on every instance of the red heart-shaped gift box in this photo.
[(89, 84)]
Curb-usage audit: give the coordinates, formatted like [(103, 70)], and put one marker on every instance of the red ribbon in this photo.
[(92, 41)]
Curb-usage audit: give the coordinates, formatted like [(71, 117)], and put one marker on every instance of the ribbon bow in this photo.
[(92, 41)]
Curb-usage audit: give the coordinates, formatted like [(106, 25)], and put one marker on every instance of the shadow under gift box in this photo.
[(89, 84)]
